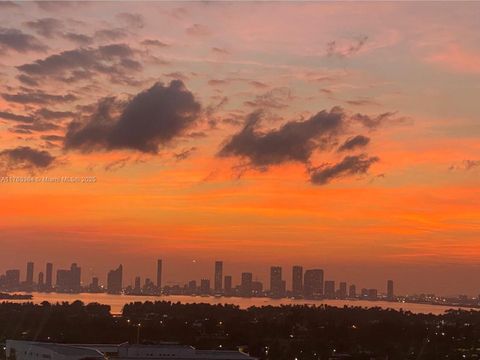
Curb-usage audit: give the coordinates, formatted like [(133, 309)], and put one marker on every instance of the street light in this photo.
[(138, 332)]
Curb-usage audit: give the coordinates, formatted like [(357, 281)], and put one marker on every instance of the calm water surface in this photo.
[(116, 302)]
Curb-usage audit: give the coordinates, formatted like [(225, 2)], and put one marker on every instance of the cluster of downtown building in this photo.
[(309, 284)]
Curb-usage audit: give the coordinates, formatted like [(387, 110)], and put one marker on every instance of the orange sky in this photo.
[(237, 162)]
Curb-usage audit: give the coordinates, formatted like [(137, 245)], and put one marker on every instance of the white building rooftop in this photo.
[(31, 350)]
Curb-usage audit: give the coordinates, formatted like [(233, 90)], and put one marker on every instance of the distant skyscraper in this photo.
[(12, 279), (114, 280), (246, 284), (40, 283), (372, 294), (192, 287), (330, 289), (313, 283), (390, 293), (49, 276), (257, 288), (159, 274), (29, 279), (364, 293), (205, 286), (352, 291), (297, 280), (276, 282), (342, 290), (95, 285), (228, 285), (69, 280), (138, 284), (218, 276), (76, 275)]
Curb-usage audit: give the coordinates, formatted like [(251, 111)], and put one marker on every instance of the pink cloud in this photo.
[(458, 59)]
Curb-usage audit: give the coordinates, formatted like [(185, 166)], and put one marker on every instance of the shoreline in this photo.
[(117, 301)]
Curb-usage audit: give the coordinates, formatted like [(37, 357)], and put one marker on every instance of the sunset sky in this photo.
[(343, 136)]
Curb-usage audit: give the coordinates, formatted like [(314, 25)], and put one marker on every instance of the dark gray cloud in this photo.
[(48, 114), (355, 142), (278, 98), (46, 27), (151, 119), (115, 61), (334, 49), (38, 121), (52, 137), (258, 84), (184, 154), (198, 30), (27, 80), (25, 158), (373, 122), (79, 39), (294, 141), (36, 126), (111, 34), (132, 20), (220, 51), (349, 166), (154, 42), (6, 115), (361, 102), (14, 39), (117, 164), (29, 96)]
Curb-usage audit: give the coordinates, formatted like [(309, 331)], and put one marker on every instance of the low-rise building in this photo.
[(31, 350)]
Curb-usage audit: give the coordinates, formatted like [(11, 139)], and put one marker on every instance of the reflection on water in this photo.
[(116, 302)]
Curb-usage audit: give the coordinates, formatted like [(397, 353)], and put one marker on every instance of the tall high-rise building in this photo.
[(297, 280), (342, 290), (159, 274), (390, 293), (313, 283), (352, 291), (257, 288), (205, 286), (40, 283), (69, 280), (49, 276), (276, 282), (29, 279), (192, 286), (12, 279), (76, 275), (227, 284), (246, 284), (372, 294), (329, 289), (218, 276), (364, 293), (95, 285), (114, 280), (138, 285)]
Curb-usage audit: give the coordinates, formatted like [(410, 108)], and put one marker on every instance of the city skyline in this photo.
[(308, 283), (303, 282), (331, 135), (206, 269)]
